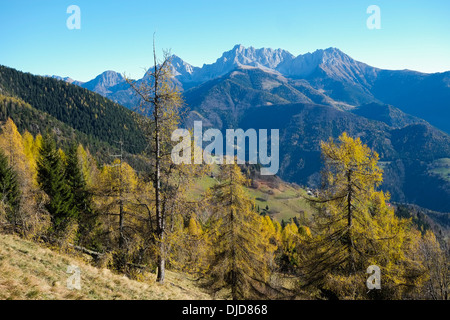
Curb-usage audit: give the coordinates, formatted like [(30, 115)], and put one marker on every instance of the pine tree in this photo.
[(52, 180), (11, 142), (291, 239), (31, 150), (436, 259), (82, 197), (243, 254), (354, 227), (9, 190)]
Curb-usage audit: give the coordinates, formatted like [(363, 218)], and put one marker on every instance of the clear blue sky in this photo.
[(117, 35)]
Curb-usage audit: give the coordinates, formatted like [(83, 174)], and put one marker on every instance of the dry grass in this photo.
[(29, 271)]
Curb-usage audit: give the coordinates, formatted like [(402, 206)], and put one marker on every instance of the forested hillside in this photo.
[(406, 153), (37, 122), (81, 109)]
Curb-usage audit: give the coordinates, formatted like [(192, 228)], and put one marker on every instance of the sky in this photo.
[(118, 35)]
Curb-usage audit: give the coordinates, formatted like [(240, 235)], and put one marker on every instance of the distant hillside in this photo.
[(388, 114), (406, 154), (224, 100), (37, 122), (31, 272), (422, 95), (81, 109), (426, 219)]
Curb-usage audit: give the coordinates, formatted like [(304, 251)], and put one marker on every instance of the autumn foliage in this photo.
[(60, 195)]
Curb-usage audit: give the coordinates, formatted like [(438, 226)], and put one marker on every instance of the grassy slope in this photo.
[(284, 201), (29, 271), (441, 167)]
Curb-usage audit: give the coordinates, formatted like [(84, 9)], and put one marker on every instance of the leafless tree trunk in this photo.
[(160, 103)]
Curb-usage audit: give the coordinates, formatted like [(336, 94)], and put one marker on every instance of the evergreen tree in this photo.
[(243, 254), (354, 227), (82, 197), (52, 180), (9, 189)]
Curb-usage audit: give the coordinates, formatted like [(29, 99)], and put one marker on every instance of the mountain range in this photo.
[(328, 77), (403, 115)]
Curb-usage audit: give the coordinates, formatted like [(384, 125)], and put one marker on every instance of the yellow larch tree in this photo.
[(355, 228), (243, 254), (31, 217)]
